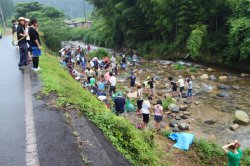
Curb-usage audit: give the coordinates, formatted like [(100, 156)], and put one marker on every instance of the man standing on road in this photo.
[(21, 37), (14, 27), (35, 44)]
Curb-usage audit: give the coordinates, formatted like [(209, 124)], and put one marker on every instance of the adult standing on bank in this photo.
[(35, 44), (112, 81), (21, 37), (27, 26)]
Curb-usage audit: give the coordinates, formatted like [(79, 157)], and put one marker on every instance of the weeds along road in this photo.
[(32, 133)]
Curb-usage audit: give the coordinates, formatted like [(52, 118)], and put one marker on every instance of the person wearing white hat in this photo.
[(21, 37)]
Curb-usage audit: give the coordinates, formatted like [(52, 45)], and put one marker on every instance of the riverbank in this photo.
[(211, 122), (56, 80)]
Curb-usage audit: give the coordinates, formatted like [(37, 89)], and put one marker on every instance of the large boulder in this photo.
[(241, 117), (244, 75), (174, 108), (204, 77), (222, 86)]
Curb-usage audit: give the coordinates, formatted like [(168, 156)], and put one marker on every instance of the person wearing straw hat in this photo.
[(21, 37)]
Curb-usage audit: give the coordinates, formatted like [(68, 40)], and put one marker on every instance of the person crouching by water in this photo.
[(21, 37), (35, 44), (120, 103), (234, 153)]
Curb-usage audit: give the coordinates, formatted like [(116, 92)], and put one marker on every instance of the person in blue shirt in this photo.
[(120, 102)]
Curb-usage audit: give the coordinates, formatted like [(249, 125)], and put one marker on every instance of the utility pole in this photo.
[(2, 17), (84, 5), (71, 12)]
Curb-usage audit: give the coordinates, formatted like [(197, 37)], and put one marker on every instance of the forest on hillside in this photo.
[(215, 29), (69, 7)]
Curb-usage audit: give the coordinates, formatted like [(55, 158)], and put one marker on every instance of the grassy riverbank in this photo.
[(139, 147)]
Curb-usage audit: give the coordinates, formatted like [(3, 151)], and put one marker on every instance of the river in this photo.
[(211, 116)]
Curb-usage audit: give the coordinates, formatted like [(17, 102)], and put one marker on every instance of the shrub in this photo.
[(207, 151), (179, 67), (246, 157), (167, 102), (99, 53), (193, 70)]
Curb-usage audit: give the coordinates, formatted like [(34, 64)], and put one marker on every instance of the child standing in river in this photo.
[(190, 88)]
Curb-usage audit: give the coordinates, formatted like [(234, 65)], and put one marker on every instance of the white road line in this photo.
[(31, 155)]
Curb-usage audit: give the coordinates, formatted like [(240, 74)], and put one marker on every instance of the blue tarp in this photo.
[(184, 140)]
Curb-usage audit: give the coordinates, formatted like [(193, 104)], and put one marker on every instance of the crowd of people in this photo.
[(27, 37), (99, 77)]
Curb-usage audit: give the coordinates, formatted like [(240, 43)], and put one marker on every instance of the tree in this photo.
[(22, 9), (6, 7), (195, 40)]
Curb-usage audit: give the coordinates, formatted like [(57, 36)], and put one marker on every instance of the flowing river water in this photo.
[(211, 116)]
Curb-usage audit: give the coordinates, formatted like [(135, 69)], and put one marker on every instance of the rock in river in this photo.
[(244, 75), (186, 101), (213, 78), (175, 130), (234, 127), (174, 108), (223, 95), (241, 117), (204, 77), (183, 126), (210, 69), (183, 107), (222, 86), (173, 123), (223, 78)]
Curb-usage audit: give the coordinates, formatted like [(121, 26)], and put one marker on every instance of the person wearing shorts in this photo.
[(158, 114), (139, 99), (145, 112)]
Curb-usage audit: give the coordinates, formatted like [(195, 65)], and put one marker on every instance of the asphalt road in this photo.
[(30, 134), (34, 134), (12, 130)]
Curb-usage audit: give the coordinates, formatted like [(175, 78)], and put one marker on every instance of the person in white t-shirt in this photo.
[(145, 112), (190, 88), (112, 81), (181, 85)]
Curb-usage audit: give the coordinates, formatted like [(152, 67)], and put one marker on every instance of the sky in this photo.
[(74, 8)]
